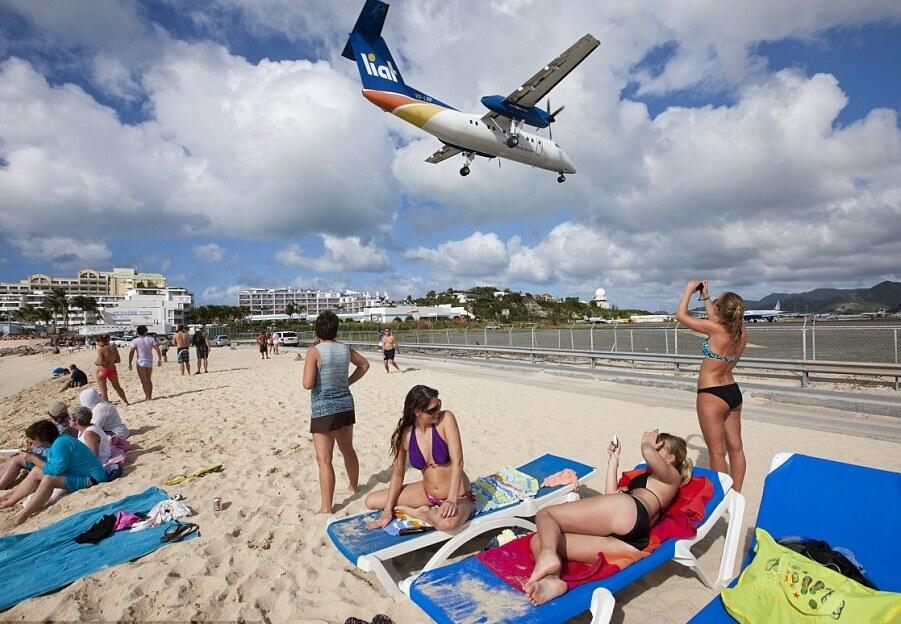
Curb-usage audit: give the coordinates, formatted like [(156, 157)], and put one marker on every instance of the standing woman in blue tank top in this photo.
[(333, 418), (719, 397), (429, 436)]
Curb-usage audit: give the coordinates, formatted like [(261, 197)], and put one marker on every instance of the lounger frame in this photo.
[(381, 564)]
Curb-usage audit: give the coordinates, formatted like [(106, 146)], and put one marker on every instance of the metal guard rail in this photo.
[(804, 367)]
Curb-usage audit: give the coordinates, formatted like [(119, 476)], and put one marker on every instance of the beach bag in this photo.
[(840, 560), (781, 586)]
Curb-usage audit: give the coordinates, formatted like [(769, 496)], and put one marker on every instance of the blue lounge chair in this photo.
[(373, 550), (847, 505), (458, 592)]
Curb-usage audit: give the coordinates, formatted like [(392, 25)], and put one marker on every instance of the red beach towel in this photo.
[(513, 561)]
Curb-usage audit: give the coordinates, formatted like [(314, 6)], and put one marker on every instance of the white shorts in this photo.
[(145, 362)]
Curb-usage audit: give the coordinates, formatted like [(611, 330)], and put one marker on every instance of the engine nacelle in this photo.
[(533, 116)]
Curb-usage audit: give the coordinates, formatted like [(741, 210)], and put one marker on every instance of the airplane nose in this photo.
[(568, 164)]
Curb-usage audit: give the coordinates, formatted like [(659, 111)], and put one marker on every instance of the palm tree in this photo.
[(290, 309), (26, 314), (87, 304), (45, 315), (57, 301)]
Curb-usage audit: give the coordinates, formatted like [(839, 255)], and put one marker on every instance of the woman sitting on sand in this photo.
[(105, 414), (719, 398), (107, 358), (91, 435), (616, 522), (69, 465), (431, 438)]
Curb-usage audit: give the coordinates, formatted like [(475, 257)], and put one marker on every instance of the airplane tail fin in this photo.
[(777, 308), (365, 45)]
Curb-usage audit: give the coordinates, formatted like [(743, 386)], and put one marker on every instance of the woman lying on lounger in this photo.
[(429, 435), (69, 464), (616, 522)]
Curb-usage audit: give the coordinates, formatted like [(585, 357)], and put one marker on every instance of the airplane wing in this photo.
[(443, 154), (539, 85)]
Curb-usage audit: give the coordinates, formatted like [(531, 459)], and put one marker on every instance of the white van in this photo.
[(287, 338)]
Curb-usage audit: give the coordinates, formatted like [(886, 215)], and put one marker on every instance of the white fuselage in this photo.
[(470, 133)]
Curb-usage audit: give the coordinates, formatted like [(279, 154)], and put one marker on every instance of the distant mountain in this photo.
[(885, 296)]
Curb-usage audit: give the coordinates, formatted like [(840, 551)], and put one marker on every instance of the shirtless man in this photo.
[(182, 345), (389, 346), (107, 358)]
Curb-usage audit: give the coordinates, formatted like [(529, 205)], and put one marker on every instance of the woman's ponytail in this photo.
[(731, 308)]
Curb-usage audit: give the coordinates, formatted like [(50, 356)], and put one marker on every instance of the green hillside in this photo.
[(884, 296)]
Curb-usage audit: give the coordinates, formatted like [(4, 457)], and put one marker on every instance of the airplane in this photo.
[(595, 320), (763, 315), (496, 134)]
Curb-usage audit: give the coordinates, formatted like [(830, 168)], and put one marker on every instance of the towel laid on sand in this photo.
[(42, 561)]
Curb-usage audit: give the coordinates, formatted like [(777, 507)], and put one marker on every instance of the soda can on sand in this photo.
[(217, 504)]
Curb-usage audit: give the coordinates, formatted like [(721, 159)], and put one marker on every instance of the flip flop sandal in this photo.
[(179, 532)]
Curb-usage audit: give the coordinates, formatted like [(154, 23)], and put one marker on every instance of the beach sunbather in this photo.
[(12, 468), (92, 435), (105, 414), (431, 439), (719, 397), (69, 465), (616, 522)]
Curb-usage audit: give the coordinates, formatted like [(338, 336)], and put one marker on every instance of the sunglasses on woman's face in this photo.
[(433, 410)]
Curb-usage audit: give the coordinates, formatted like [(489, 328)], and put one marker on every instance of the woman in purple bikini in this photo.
[(431, 438)]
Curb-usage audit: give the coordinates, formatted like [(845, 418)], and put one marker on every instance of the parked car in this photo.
[(287, 338), (120, 341), (222, 341)]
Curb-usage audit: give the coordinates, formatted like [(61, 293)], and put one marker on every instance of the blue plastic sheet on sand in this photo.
[(43, 561)]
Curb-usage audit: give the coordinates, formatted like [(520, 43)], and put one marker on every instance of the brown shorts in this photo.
[(332, 422)]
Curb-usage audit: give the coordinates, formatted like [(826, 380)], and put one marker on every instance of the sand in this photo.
[(265, 555)]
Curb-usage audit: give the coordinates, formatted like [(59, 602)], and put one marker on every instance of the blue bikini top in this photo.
[(713, 355)]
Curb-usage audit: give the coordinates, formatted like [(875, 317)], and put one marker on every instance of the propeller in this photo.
[(552, 117)]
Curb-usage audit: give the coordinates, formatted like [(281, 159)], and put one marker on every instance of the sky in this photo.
[(225, 143)]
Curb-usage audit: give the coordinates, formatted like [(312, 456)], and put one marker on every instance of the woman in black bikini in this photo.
[(618, 521), (719, 397)]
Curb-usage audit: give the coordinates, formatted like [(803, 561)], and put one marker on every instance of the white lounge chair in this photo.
[(373, 550)]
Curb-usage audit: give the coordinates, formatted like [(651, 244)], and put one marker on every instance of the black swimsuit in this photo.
[(639, 536)]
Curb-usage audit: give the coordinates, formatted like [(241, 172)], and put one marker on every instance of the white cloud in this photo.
[(346, 254), (232, 148), (221, 295), (209, 253), (62, 252)]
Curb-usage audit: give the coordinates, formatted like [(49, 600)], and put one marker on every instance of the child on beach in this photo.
[(429, 436), (333, 417), (608, 523)]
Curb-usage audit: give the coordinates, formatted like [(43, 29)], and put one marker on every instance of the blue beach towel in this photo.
[(42, 561)]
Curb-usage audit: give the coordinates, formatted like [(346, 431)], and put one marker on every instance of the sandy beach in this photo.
[(265, 556)]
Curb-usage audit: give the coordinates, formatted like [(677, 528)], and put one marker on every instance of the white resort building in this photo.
[(268, 301)]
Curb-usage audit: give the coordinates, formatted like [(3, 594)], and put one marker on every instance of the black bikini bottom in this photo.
[(638, 536), (731, 394)]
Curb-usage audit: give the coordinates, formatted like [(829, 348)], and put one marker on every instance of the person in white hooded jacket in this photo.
[(105, 414)]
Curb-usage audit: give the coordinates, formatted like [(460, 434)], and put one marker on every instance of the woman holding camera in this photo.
[(719, 397)]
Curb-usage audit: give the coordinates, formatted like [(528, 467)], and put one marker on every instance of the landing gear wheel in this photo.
[(464, 171), (561, 178), (513, 141)]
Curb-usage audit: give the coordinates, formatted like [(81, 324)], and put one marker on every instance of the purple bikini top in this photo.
[(440, 452)]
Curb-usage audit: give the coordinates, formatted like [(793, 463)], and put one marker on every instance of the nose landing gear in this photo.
[(561, 178), (464, 171), (512, 141)]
